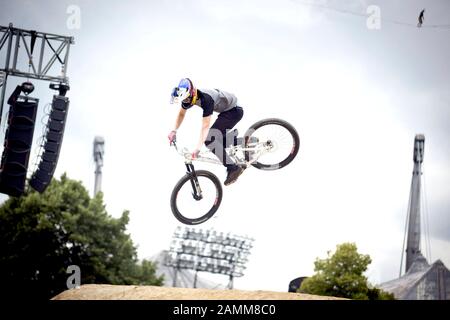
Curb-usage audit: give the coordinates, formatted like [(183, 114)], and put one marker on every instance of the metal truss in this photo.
[(14, 40), (10, 40)]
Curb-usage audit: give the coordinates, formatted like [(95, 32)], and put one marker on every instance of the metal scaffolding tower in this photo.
[(99, 151)]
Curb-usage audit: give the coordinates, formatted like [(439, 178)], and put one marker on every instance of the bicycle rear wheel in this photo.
[(279, 139), (190, 209)]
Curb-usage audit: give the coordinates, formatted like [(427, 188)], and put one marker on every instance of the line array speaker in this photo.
[(17, 145), (52, 144)]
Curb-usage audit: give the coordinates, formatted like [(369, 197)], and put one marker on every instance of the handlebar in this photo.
[(184, 152), (174, 143)]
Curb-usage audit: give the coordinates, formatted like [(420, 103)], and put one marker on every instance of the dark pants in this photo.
[(218, 139)]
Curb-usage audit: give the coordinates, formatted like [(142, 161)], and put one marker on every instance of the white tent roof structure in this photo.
[(421, 282)]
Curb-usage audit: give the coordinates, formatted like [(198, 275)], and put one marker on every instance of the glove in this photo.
[(172, 136), (195, 154)]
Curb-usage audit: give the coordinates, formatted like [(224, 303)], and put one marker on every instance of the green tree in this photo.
[(342, 275), (43, 234)]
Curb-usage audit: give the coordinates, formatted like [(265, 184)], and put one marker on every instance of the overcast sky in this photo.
[(357, 97)]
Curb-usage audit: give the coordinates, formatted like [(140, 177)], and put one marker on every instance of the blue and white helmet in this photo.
[(183, 91)]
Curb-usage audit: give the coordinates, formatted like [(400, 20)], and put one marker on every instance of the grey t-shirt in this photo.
[(214, 100)]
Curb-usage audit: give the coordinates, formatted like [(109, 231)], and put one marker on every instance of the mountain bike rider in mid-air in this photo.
[(215, 138)]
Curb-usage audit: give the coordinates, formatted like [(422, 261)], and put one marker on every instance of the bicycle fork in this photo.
[(196, 190)]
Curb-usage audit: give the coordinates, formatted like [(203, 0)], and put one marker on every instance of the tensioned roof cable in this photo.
[(361, 14)]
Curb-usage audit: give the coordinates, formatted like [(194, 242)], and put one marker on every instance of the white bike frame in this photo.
[(233, 151)]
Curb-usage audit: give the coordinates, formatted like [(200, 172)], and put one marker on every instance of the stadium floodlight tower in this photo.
[(99, 151), (208, 251)]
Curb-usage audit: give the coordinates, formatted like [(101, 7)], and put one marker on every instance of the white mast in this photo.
[(99, 151), (413, 242)]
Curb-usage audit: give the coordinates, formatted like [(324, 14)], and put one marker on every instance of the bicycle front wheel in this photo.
[(191, 206), (277, 138)]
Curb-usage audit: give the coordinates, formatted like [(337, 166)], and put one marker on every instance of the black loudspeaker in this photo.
[(52, 144), (17, 145)]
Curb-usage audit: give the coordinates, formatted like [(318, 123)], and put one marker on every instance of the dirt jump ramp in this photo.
[(113, 292)]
